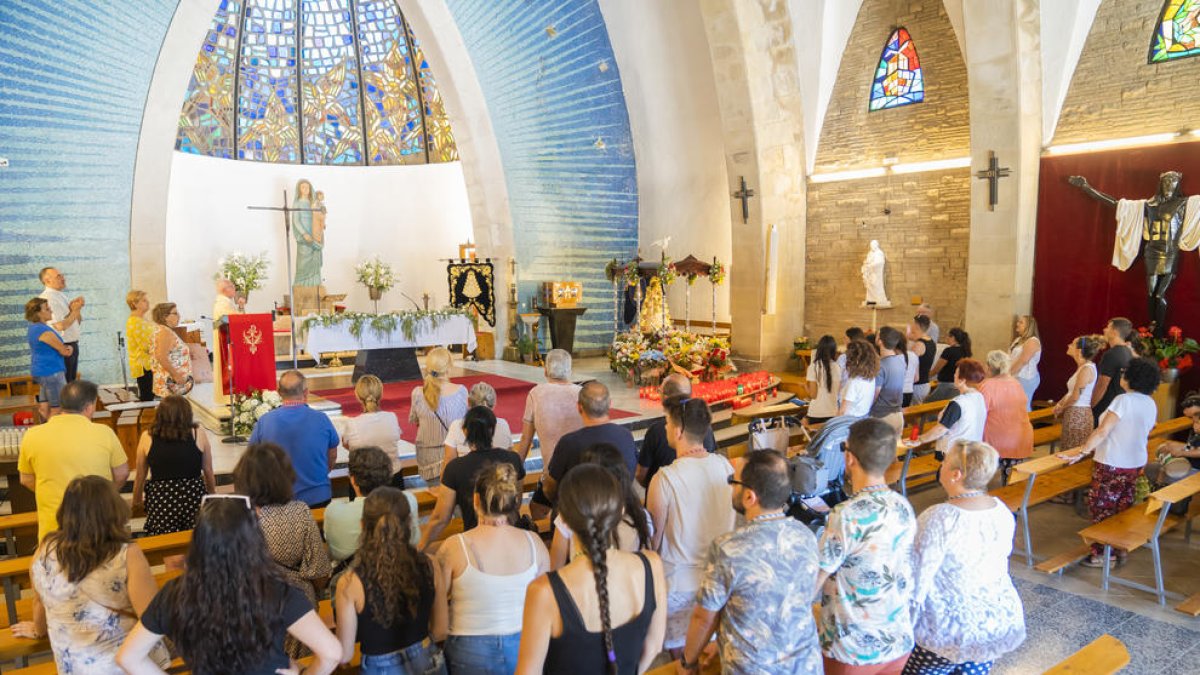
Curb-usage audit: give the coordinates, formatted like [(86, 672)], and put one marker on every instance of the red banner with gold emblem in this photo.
[(249, 362)]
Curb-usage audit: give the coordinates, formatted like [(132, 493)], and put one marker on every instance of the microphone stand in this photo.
[(124, 357), (233, 436)]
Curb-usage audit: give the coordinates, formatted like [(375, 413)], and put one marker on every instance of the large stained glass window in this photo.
[(1177, 33), (340, 82), (899, 79)]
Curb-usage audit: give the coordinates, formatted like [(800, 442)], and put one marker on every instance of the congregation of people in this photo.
[(669, 547)]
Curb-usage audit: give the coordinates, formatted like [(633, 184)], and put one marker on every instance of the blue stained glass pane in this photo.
[(268, 124), (207, 118)]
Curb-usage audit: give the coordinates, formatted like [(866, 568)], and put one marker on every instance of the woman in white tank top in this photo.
[(489, 568), (1075, 409), (1026, 352)]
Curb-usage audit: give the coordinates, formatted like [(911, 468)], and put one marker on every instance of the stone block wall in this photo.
[(925, 239), (926, 235), (937, 128), (1115, 92)]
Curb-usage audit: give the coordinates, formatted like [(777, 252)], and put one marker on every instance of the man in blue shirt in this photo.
[(306, 435)]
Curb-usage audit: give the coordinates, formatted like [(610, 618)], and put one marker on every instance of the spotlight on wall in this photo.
[(874, 172), (3, 162)]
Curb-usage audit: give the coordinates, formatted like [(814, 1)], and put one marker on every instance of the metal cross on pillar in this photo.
[(992, 175), (744, 194)]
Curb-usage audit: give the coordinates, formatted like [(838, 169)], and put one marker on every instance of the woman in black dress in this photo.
[(176, 456)]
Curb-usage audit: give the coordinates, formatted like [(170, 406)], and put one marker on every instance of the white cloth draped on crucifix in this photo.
[(1131, 229)]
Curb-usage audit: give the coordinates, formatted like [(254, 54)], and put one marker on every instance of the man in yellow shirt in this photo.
[(66, 446)]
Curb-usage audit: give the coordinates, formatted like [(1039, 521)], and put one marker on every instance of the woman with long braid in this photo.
[(604, 613)]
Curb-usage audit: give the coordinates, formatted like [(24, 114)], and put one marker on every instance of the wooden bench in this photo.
[(1191, 606), (922, 413), (1037, 481), (1103, 656), (1143, 525), (766, 412), (1041, 479)]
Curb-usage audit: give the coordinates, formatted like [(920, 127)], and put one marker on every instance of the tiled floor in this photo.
[(1058, 623)]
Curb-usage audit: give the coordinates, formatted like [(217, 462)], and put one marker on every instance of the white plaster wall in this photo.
[(667, 75), (1070, 23), (820, 29), (410, 216)]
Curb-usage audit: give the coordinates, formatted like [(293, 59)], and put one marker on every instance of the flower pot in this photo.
[(374, 293), (1166, 397)]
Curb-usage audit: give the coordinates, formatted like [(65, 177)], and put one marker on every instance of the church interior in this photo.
[(695, 188)]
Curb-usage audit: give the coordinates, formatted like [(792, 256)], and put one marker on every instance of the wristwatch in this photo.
[(688, 666)]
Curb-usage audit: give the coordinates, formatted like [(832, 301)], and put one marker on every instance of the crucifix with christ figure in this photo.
[(744, 194), (992, 175), (287, 212)]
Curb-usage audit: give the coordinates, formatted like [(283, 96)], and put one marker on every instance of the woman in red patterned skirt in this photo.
[(1120, 446), (1075, 409)]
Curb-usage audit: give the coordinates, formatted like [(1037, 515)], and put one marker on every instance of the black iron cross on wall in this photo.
[(744, 194), (992, 175)]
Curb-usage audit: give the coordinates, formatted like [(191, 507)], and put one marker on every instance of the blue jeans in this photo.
[(482, 654), (1030, 385), (422, 658), (50, 386)]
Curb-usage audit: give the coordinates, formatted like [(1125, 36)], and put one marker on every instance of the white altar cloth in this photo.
[(454, 330)]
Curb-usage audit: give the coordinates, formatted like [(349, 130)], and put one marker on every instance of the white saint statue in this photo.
[(872, 276)]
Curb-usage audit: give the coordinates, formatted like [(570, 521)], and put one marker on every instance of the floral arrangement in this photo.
[(637, 357), (1172, 351), (251, 407), (375, 274), (666, 271), (383, 324), (625, 353), (628, 272), (716, 273), (246, 272)]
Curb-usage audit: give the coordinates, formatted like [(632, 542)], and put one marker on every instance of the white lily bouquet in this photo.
[(375, 274), (250, 408), (247, 272)]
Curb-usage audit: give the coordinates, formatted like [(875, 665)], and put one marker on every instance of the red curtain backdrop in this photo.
[(1075, 287), (253, 353)]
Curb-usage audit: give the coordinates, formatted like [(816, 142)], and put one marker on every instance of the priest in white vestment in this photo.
[(226, 303)]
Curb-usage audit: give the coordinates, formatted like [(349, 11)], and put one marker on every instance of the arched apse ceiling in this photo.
[(553, 92)]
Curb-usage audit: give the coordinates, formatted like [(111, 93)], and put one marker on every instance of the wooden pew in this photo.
[(1103, 656), (1143, 525), (1041, 479), (920, 462)]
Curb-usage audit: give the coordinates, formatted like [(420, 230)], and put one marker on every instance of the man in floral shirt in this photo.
[(866, 582), (758, 580)]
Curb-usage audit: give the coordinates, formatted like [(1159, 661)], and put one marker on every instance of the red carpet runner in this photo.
[(397, 397)]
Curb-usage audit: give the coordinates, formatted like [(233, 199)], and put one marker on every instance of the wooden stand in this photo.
[(562, 325)]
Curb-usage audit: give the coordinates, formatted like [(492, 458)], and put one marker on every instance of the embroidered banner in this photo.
[(472, 284), (249, 361)]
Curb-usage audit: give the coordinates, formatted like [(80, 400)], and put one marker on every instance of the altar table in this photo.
[(391, 356)]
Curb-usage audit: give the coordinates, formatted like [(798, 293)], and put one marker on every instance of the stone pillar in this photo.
[(1004, 76), (757, 83)]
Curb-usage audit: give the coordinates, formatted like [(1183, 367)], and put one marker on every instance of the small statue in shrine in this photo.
[(655, 315), (1167, 222), (872, 276)]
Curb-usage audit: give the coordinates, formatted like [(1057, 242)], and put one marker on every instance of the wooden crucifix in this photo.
[(992, 175), (744, 194)]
